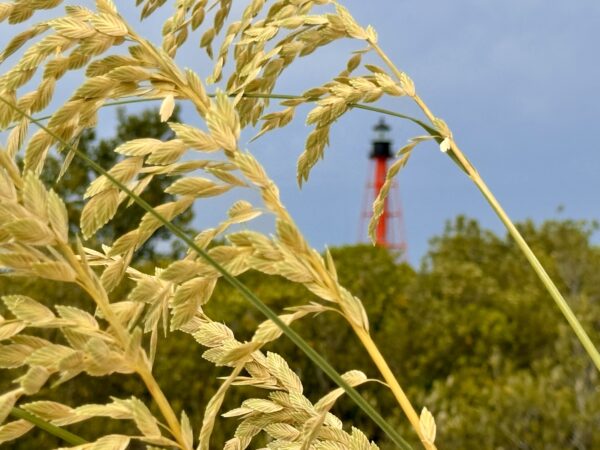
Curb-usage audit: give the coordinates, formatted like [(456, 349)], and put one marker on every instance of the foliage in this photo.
[(519, 379)]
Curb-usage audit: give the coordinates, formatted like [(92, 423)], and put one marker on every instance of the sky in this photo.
[(518, 81)]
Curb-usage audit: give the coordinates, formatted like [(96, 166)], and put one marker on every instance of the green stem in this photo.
[(560, 301), (429, 129), (460, 159), (246, 293), (60, 433)]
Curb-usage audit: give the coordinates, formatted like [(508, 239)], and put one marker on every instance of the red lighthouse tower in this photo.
[(390, 229)]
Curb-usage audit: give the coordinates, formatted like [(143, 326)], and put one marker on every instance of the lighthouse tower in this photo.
[(390, 229)]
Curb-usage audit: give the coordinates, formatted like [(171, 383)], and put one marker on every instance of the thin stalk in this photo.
[(429, 129), (560, 301), (214, 404), (162, 402), (460, 159), (238, 285), (60, 433), (392, 383)]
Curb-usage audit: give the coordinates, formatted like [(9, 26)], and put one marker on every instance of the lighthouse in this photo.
[(390, 229)]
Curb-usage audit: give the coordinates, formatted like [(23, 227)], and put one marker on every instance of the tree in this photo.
[(490, 351)]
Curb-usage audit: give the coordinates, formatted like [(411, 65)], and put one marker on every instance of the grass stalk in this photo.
[(429, 129), (163, 404), (312, 354), (460, 159), (393, 384), (60, 433), (560, 301)]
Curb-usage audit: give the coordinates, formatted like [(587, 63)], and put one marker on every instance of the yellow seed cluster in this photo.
[(34, 240)]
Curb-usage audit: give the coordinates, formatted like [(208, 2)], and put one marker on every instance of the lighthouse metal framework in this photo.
[(390, 229)]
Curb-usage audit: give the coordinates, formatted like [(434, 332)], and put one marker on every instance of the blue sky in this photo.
[(518, 81)]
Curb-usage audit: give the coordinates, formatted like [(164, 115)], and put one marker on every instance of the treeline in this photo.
[(471, 334)]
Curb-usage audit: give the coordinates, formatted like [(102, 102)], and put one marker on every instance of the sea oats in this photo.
[(195, 138), (167, 107), (176, 28), (428, 427), (98, 211), (14, 430), (34, 229), (149, 6), (218, 22)]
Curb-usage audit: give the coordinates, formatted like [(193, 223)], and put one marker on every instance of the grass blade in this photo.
[(461, 160), (60, 433), (362, 106)]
